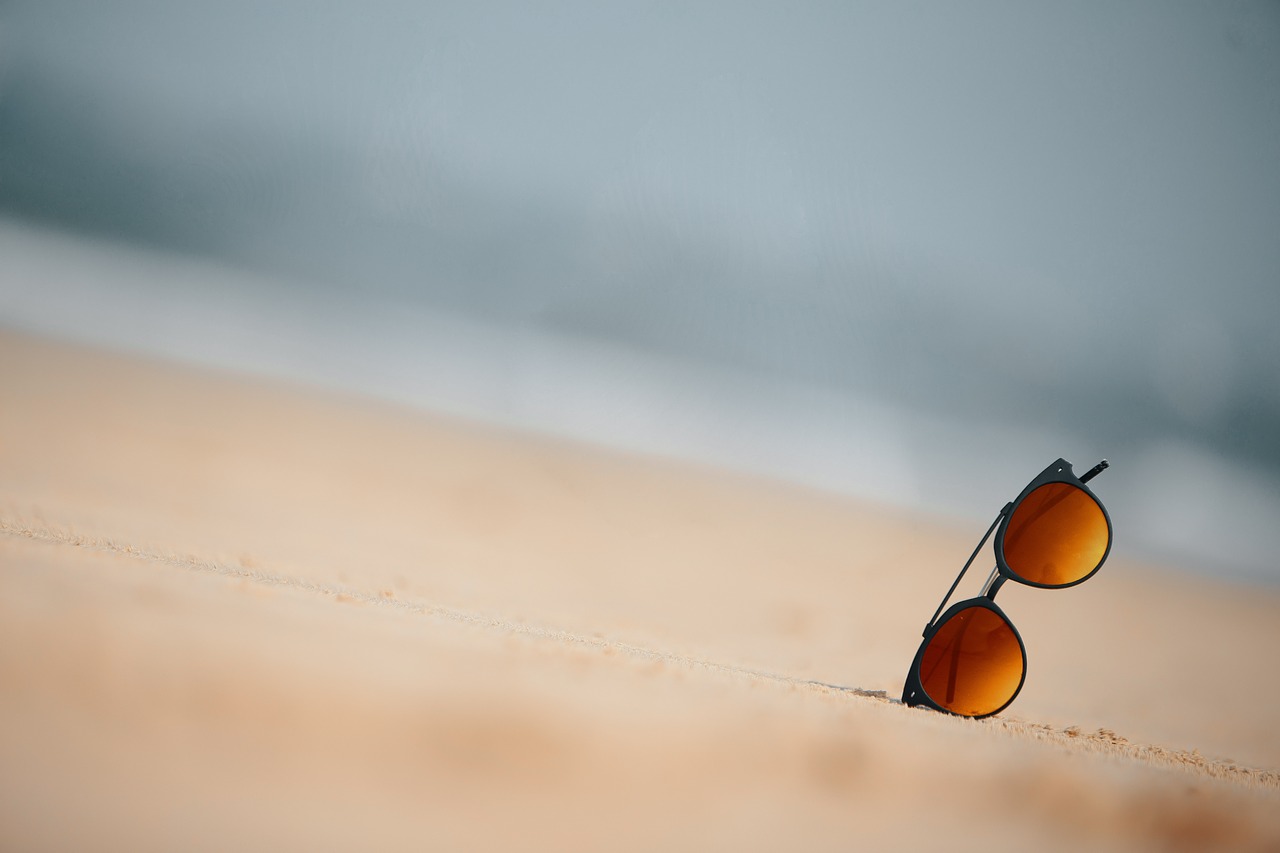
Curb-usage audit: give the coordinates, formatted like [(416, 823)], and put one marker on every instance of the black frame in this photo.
[(913, 692)]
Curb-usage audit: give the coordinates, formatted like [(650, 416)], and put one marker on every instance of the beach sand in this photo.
[(236, 614)]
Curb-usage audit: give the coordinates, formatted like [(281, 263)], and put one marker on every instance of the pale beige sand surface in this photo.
[(235, 614)]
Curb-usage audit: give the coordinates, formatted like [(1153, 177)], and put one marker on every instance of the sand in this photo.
[(239, 614)]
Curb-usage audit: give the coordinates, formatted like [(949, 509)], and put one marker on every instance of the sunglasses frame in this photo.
[(1058, 472), (913, 692)]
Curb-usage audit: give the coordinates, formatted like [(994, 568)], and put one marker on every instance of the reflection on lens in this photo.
[(973, 665), (1056, 536)]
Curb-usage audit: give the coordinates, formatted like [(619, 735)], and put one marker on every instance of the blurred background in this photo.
[(911, 252)]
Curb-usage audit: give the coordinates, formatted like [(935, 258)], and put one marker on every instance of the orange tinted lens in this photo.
[(973, 665), (1056, 536)]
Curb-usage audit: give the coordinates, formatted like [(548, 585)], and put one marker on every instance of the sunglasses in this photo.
[(1056, 534)]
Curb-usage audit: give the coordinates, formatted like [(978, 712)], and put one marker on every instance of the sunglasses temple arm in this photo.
[(1095, 471), (972, 557)]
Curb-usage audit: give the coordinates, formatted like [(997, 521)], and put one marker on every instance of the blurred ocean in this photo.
[(911, 252)]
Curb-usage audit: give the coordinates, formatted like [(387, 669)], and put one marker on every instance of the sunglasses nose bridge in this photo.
[(992, 584)]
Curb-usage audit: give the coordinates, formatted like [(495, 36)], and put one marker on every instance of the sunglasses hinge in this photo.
[(993, 584)]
